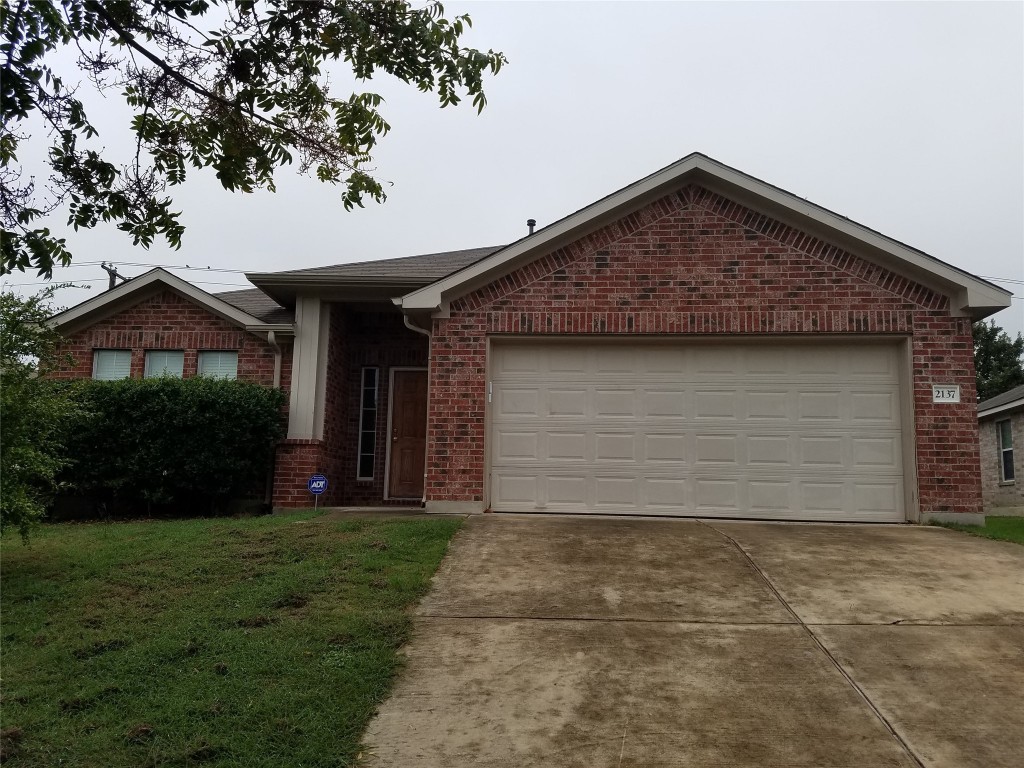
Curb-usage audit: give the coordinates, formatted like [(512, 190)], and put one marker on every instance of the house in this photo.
[(697, 343), (1001, 424)]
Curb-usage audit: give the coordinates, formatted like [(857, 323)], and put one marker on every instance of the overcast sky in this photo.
[(907, 118)]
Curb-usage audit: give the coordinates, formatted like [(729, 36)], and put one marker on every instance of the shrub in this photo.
[(32, 422), (171, 441)]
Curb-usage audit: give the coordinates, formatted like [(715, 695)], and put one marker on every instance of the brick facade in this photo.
[(169, 321), (1000, 497), (694, 263)]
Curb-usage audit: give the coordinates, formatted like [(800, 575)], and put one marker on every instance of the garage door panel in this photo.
[(876, 453), (768, 431), (567, 402), (672, 448), (517, 445), (873, 406), (615, 403), (721, 495), (769, 451), (774, 405), (822, 452), (615, 447), (567, 446), (665, 404), (770, 496), (717, 404), (716, 449), (519, 402)]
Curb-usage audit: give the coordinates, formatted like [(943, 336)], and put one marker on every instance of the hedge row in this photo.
[(167, 441)]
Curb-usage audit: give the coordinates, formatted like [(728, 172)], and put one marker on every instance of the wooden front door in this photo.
[(408, 434)]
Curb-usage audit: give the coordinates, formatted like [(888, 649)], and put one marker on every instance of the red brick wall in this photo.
[(696, 263), (356, 340), (168, 321)]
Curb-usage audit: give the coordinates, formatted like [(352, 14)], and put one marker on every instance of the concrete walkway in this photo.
[(553, 641)]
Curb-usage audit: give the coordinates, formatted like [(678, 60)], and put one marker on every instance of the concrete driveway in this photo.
[(552, 641)]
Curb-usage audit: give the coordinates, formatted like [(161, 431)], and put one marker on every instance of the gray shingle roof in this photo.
[(258, 304), (425, 268), (1017, 393)]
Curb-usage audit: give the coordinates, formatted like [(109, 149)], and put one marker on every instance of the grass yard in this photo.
[(259, 642), (1002, 528)]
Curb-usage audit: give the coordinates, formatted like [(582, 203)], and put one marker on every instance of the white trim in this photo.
[(968, 294), (376, 411), (387, 435), (1003, 450), (309, 363), (1000, 408), (123, 296)]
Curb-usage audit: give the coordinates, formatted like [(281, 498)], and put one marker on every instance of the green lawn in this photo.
[(1003, 528), (256, 642)]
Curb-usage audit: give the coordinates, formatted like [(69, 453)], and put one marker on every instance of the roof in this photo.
[(150, 283), (258, 304), (1004, 402), (969, 295), (394, 276)]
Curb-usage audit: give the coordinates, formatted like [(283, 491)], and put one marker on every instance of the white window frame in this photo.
[(376, 412), (1003, 450), (150, 371), (97, 353), (207, 354)]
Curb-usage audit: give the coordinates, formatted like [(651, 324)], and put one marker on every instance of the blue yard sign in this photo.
[(317, 484)]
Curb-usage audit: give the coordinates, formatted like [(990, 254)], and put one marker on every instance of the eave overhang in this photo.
[(1011, 406)]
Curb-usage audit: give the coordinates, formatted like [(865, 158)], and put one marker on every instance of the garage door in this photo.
[(806, 431)]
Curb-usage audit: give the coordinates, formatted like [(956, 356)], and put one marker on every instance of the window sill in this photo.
[(1003, 483)]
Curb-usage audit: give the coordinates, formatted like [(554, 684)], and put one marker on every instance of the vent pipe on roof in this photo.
[(531, 223)]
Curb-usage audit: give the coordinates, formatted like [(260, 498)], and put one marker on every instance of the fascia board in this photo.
[(968, 294), (999, 409), (130, 293)]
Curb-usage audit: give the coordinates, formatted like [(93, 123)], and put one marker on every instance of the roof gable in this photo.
[(968, 294), (138, 289), (702, 246)]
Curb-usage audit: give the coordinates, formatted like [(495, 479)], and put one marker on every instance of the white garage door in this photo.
[(797, 431)]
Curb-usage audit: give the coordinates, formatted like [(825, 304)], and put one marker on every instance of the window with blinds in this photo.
[(165, 362), (220, 364), (111, 364)]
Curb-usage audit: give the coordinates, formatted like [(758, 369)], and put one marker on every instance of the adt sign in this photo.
[(317, 484)]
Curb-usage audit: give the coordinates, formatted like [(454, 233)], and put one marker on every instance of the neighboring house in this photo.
[(697, 343), (1001, 422)]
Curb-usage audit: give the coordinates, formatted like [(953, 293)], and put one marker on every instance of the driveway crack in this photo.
[(821, 645)]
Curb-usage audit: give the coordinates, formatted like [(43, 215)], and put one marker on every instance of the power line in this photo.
[(103, 279)]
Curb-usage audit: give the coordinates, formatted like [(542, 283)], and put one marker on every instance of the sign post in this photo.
[(317, 484)]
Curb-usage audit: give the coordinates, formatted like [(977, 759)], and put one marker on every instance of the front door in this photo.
[(408, 434)]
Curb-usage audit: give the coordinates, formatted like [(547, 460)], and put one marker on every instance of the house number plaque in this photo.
[(945, 393)]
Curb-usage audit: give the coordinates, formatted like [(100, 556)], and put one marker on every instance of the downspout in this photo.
[(272, 341), (409, 324)]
